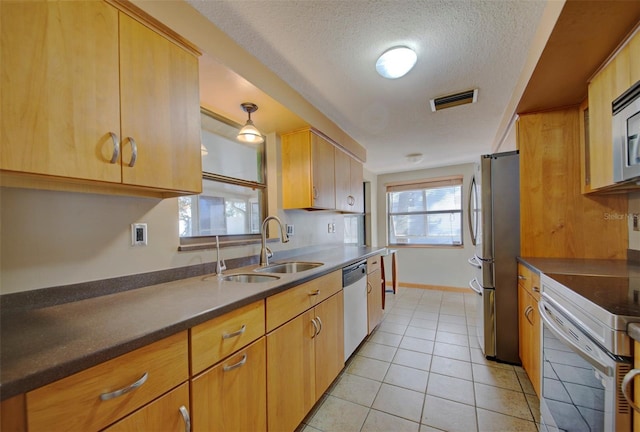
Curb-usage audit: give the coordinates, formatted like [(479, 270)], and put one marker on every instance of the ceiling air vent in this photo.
[(465, 97)]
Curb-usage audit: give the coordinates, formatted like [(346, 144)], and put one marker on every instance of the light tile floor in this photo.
[(423, 370)]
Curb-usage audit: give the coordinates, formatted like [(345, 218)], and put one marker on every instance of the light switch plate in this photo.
[(139, 234)]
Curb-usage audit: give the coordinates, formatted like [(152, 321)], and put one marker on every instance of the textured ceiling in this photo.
[(326, 50)]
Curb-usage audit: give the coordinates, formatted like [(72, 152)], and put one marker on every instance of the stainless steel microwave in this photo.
[(626, 133)]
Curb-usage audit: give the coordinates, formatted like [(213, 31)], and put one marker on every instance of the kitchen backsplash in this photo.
[(60, 238)]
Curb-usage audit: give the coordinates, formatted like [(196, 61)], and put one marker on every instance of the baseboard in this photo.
[(433, 287)]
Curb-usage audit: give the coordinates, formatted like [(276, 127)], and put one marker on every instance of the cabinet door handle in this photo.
[(186, 417), (369, 288), (116, 148), (235, 333), (242, 361), (351, 200), (319, 322), (127, 389), (628, 379), (315, 193), (535, 288), (314, 293), (134, 151), (315, 328), (527, 312)]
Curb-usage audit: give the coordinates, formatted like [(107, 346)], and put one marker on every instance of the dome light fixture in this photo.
[(396, 62), (249, 133)]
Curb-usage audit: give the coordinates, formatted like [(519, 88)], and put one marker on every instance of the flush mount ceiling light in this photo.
[(396, 62), (249, 133)]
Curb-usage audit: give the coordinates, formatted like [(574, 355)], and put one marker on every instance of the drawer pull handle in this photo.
[(127, 389), (319, 322), (521, 277), (374, 262), (134, 152), (242, 361), (235, 333), (536, 289), (315, 328), (628, 379), (314, 293), (116, 148), (186, 417)]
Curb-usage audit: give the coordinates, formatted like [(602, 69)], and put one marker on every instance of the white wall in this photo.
[(58, 238), (430, 265)]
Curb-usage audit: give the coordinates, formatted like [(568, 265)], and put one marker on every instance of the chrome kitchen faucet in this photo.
[(265, 252)]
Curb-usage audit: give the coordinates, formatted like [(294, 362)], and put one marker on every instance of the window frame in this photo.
[(203, 242), (424, 185)]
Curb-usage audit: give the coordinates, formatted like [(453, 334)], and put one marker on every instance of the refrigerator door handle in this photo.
[(471, 212), (474, 262), (472, 284)]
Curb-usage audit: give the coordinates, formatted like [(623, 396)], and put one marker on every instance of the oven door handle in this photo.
[(628, 379), (607, 370)]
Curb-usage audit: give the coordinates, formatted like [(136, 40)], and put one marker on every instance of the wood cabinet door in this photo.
[(374, 298), (60, 89), (165, 414), (357, 187), (232, 396), (160, 111), (322, 173), (529, 332), (343, 179), (329, 342), (290, 373)]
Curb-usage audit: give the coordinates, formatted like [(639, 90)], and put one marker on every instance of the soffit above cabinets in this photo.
[(586, 33)]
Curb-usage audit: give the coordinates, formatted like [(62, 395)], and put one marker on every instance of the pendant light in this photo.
[(249, 133)]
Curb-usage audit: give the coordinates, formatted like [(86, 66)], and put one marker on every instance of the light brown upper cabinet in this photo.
[(308, 180), (91, 96), (349, 192), (617, 76)]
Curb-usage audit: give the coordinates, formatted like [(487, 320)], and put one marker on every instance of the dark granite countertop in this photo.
[(609, 269), (593, 267), (39, 346)]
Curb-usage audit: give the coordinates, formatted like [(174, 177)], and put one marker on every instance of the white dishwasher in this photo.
[(354, 284)]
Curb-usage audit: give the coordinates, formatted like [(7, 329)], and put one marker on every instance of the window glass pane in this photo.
[(233, 187), (429, 216), (222, 154), (221, 209), (444, 198)]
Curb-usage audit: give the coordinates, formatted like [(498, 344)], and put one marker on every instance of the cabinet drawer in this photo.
[(288, 304), (163, 414), (373, 263), (75, 403), (529, 280), (214, 340)]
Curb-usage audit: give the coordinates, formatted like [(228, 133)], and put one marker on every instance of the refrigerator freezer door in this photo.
[(485, 318)]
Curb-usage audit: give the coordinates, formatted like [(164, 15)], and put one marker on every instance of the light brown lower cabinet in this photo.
[(232, 396), (303, 356), (529, 325), (99, 396), (169, 413), (374, 298)]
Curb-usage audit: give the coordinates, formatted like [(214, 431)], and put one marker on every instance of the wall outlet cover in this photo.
[(139, 234)]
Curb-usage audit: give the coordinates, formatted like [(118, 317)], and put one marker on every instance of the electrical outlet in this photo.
[(139, 234), (635, 222), (290, 230), (329, 228)]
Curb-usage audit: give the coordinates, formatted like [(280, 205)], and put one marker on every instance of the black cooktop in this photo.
[(616, 294)]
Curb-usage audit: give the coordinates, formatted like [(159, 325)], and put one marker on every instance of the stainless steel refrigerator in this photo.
[(494, 224)]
